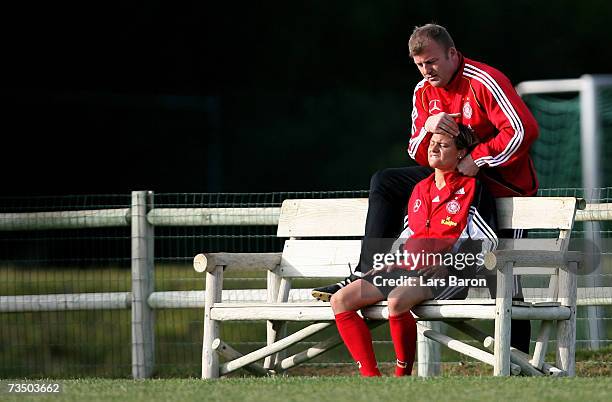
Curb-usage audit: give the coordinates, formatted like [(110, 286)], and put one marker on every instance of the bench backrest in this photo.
[(322, 218)]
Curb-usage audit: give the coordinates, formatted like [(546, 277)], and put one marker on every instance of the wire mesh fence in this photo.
[(97, 342)]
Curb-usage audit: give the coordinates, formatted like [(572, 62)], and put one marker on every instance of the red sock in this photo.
[(358, 340), (403, 333)]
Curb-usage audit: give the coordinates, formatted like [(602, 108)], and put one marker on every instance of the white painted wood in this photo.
[(346, 217), (323, 217), (210, 359), (310, 353), (200, 262), (536, 212), (316, 350), (469, 303), (566, 329), (143, 284), (522, 360), (266, 216), (283, 296), (272, 327), (182, 299), (322, 312), (503, 316), (488, 342), (98, 218), (319, 258), (464, 348), (595, 212), (195, 299), (541, 345), (428, 352), (245, 261), (66, 302), (284, 343), (330, 258), (598, 296), (532, 259), (228, 353), (548, 244), (543, 271)]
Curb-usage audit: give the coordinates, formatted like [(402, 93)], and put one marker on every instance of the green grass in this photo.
[(333, 388)]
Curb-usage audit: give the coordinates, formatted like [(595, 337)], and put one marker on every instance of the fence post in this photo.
[(428, 351), (143, 325)]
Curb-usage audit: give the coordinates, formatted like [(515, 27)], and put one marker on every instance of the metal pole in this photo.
[(143, 326), (591, 181)]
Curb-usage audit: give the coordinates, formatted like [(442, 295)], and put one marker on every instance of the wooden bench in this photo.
[(305, 222)]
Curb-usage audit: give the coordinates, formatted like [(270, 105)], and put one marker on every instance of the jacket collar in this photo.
[(452, 180), (456, 80)]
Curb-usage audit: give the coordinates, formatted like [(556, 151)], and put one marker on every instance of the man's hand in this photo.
[(467, 167), (443, 123), (434, 272)]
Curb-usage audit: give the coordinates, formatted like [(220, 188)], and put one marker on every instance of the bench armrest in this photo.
[(207, 262)]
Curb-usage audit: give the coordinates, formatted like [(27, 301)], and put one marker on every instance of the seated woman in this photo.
[(446, 212)]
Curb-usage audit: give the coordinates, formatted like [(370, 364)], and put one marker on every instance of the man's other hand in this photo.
[(467, 167)]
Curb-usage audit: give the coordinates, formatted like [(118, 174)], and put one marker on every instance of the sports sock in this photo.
[(403, 333), (358, 340)]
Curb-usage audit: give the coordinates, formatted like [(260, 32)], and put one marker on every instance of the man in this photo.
[(454, 90)]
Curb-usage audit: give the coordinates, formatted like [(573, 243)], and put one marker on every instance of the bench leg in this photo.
[(283, 297), (503, 317), (272, 327), (428, 360), (566, 329), (210, 359)]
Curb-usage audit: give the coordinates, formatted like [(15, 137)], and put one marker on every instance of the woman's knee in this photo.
[(399, 305), (338, 302)]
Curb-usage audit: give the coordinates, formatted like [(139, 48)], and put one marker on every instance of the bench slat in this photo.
[(536, 212), (346, 217), (330, 258), (323, 312), (319, 258), (314, 303), (323, 217)]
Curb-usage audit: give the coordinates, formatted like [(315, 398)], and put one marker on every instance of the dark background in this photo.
[(108, 97)]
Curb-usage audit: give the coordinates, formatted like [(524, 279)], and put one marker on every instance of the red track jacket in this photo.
[(489, 105)]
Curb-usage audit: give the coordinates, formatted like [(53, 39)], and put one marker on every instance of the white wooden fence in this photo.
[(143, 300)]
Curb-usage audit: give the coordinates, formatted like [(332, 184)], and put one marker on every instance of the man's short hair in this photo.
[(422, 35)]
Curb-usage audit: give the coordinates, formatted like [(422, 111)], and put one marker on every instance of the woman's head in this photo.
[(445, 152)]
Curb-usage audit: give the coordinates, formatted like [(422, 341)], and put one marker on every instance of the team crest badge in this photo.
[(453, 207), (416, 206), (467, 110)]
